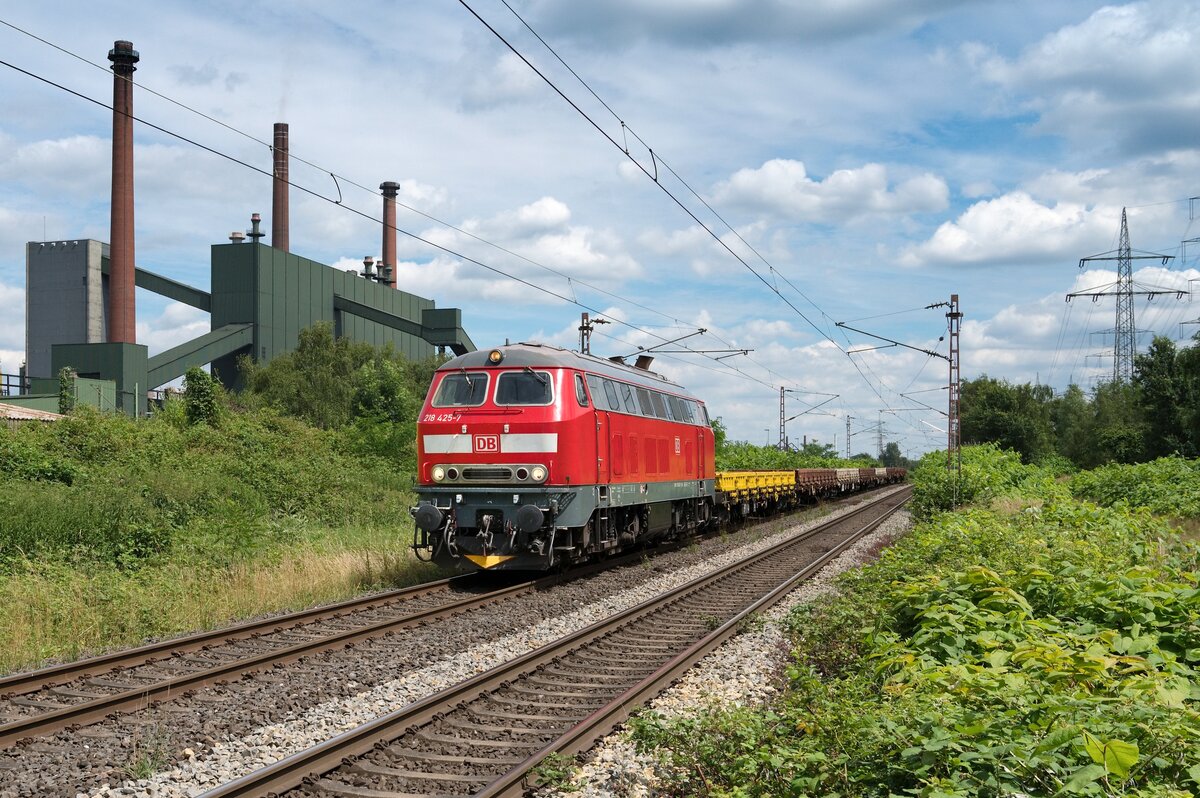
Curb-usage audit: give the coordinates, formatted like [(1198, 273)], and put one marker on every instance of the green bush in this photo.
[(1041, 647), (201, 397), (986, 472), (1167, 486), (109, 488)]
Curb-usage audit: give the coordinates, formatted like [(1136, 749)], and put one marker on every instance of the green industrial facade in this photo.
[(281, 293), (261, 299)]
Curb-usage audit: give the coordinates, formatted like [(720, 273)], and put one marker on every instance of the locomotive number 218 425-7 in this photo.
[(440, 417)]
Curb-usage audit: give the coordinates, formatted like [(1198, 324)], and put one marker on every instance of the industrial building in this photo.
[(80, 301)]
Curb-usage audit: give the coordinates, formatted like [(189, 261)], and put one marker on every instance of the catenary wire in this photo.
[(344, 179), (657, 159), (653, 177)]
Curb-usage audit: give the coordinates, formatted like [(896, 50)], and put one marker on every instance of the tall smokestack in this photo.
[(279, 203), (122, 310), (390, 190)]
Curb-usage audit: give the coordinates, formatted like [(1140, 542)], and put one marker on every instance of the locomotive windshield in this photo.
[(527, 387), (462, 390)]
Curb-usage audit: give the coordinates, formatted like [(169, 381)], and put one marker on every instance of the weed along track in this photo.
[(483, 736)]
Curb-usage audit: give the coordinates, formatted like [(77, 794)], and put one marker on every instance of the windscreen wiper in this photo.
[(539, 377)]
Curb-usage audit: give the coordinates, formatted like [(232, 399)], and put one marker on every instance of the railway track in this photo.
[(41, 702), (485, 735)]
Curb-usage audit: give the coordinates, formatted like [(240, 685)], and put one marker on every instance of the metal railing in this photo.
[(13, 384)]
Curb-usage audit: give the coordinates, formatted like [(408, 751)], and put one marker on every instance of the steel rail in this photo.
[(144, 695), (25, 682), (291, 772), (605, 720), (31, 681)]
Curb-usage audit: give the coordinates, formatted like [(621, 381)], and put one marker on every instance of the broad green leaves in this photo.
[(1042, 646), (1116, 756)]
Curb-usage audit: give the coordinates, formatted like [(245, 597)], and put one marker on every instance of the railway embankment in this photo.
[(1042, 638)]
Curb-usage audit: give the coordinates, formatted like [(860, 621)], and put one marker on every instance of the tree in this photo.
[(720, 433), (1119, 430), (201, 397), (1072, 417), (66, 390), (1187, 363), (1161, 389), (382, 392), (892, 457), (1015, 417), (313, 382), (816, 450)]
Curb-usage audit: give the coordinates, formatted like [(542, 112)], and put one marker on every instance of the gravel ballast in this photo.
[(745, 671), (221, 733)]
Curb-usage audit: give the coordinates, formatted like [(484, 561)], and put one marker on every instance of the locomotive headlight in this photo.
[(439, 473), (495, 356), (538, 473)]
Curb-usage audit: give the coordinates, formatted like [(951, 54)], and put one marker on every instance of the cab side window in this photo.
[(658, 406), (646, 406), (627, 399), (580, 391)]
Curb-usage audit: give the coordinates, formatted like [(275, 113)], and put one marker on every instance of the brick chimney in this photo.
[(390, 190), (122, 310), (279, 196)]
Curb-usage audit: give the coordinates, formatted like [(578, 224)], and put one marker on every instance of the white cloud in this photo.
[(1014, 228), (783, 188), (544, 240), (546, 215), (422, 196), (505, 81), (1124, 76), (1123, 50), (705, 255), (176, 324), (977, 189), (12, 326), (72, 163), (698, 23)]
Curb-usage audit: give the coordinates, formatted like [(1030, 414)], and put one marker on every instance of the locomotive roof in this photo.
[(546, 356)]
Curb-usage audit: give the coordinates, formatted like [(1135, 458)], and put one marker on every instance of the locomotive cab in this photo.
[(515, 466), (493, 473)]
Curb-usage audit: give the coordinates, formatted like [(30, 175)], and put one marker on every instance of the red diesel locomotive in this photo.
[(533, 455)]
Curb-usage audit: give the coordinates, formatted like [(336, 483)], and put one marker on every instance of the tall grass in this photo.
[(114, 530), (61, 611)]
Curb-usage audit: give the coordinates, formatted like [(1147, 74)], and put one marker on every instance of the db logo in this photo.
[(487, 444)]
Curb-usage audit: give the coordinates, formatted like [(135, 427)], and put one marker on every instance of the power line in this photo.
[(341, 178), (658, 159), (655, 161)]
